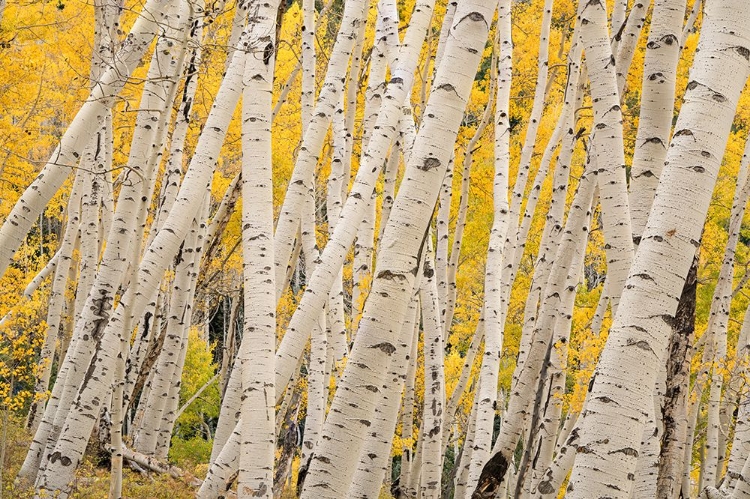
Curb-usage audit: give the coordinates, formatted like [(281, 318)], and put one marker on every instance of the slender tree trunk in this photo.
[(719, 320), (494, 318), (258, 435), (608, 147), (402, 242), (376, 453), (524, 389), (613, 416), (434, 381), (741, 441), (81, 129), (657, 103), (314, 135), (337, 248)]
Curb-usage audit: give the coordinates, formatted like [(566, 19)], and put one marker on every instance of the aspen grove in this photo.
[(370, 249)]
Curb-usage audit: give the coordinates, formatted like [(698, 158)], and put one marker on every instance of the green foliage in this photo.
[(199, 368), (186, 453)]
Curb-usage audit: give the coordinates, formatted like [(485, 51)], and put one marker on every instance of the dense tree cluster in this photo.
[(463, 248)]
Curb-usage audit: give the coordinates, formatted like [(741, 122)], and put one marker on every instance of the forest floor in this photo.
[(92, 478)]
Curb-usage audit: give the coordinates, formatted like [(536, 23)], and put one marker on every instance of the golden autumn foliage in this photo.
[(45, 52)]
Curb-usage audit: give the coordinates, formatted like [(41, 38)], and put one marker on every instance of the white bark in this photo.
[(625, 48), (525, 382), (56, 301), (407, 418), (88, 330), (657, 104), (608, 146), (434, 382), (80, 131), (613, 417), (741, 441), (332, 258), (494, 319), (258, 436), (331, 466), (719, 320), (300, 187), (75, 433), (376, 452)]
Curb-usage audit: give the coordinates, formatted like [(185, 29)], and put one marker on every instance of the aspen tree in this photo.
[(444, 201), (618, 20), (308, 63), (56, 300), (449, 299), (719, 320), (111, 270), (376, 452), (145, 436), (657, 102), (741, 440), (337, 186), (462, 476), (624, 50), (463, 380), (258, 435), (638, 337), (513, 244), (660, 65), (554, 220), (547, 407), (690, 23), (399, 253), (106, 17), (674, 410), (492, 313), (607, 143), (333, 255), (131, 211), (524, 389), (300, 188), (76, 430), (407, 420), (434, 381), (223, 468), (81, 129)]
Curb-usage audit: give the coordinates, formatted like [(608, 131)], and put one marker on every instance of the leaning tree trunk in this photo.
[(80, 131), (608, 147), (613, 417), (719, 320), (332, 258), (112, 268), (342, 436), (75, 433), (674, 410)]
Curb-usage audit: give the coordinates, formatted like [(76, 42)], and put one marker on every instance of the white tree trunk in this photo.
[(608, 147), (434, 381), (657, 104), (331, 467), (332, 258), (80, 131), (300, 188), (719, 320), (376, 452), (258, 435), (494, 318), (614, 412)]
